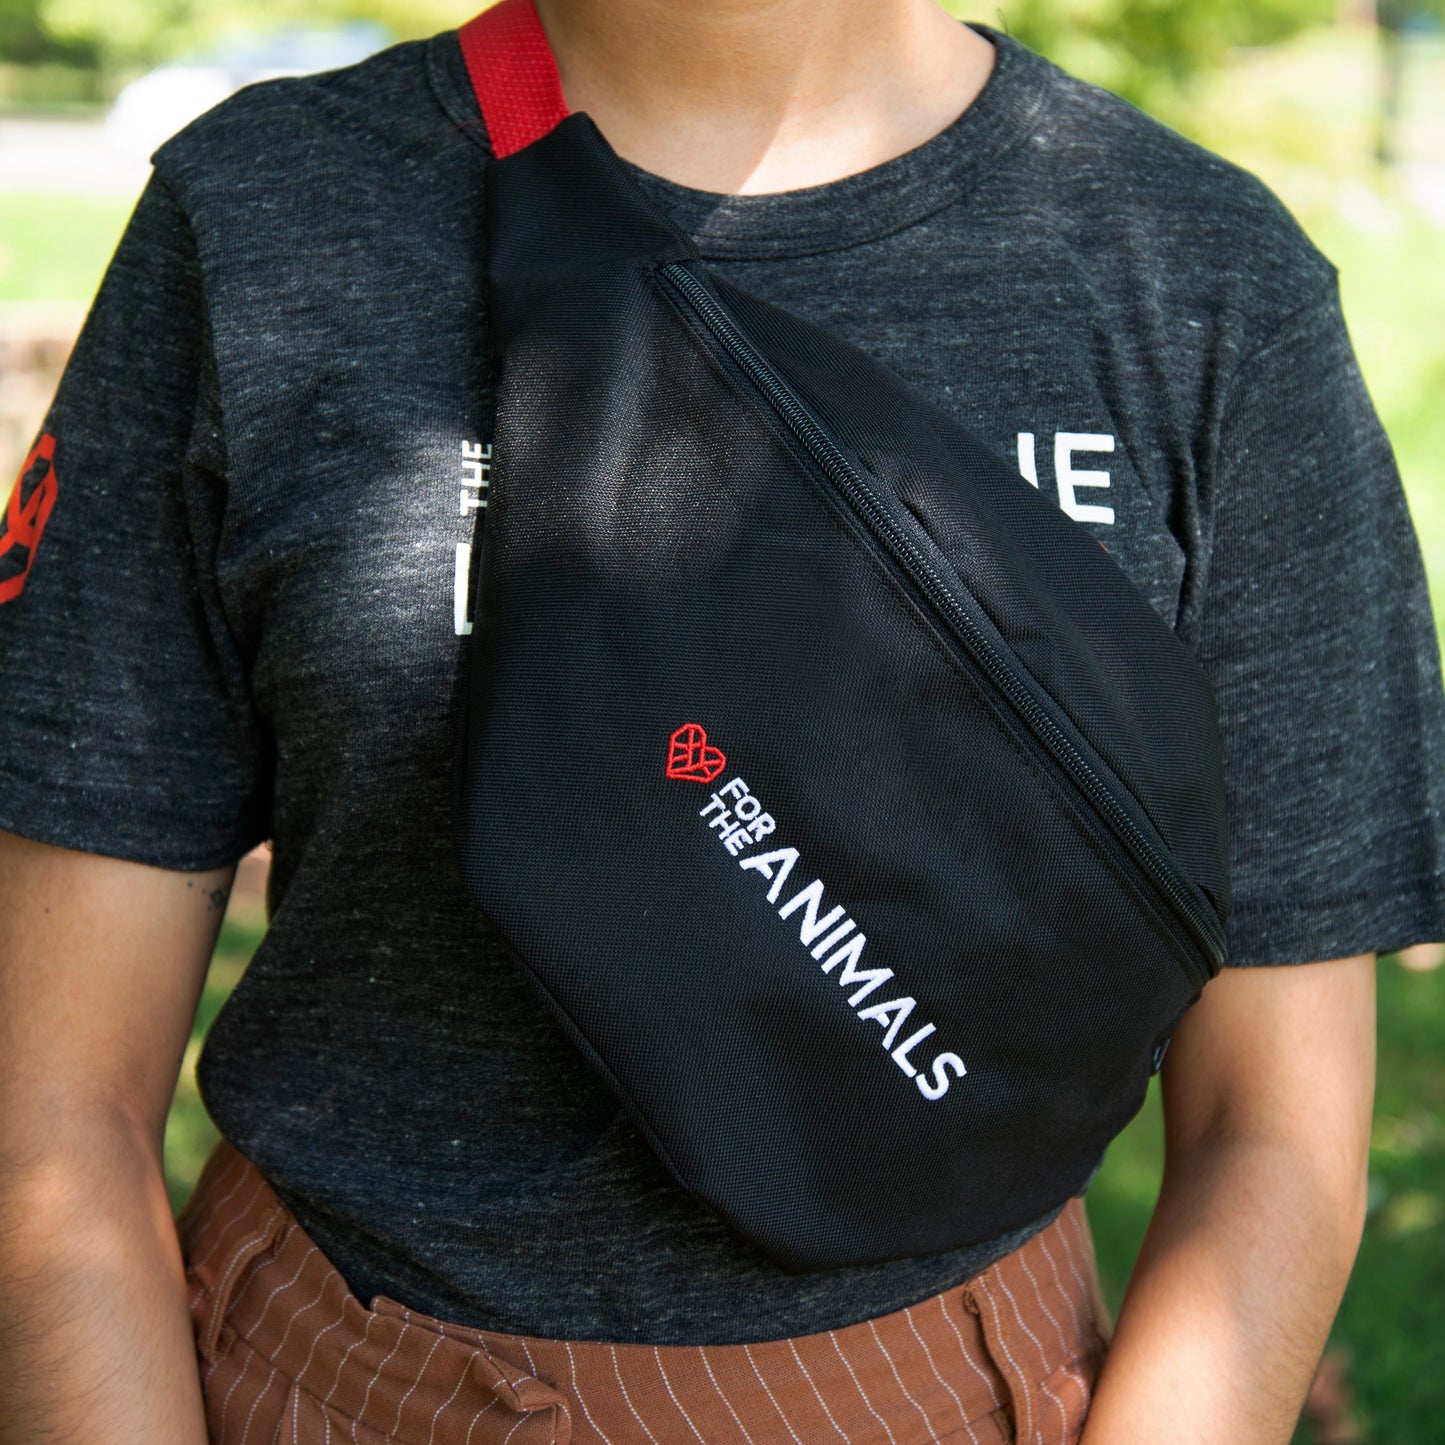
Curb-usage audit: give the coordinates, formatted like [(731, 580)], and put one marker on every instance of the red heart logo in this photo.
[(690, 757)]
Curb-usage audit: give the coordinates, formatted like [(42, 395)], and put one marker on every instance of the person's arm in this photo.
[(101, 968), (1268, 1089)]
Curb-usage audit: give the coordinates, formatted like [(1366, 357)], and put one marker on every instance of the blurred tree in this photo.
[(1148, 50), (26, 40), (1391, 18), (141, 32)]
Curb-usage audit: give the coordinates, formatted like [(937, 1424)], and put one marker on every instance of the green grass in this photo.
[(55, 247), (1391, 1321), (190, 1135)]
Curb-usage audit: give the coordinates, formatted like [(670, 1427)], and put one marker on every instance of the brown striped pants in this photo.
[(289, 1356)]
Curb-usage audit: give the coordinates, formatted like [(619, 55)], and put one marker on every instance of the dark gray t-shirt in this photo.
[(242, 619)]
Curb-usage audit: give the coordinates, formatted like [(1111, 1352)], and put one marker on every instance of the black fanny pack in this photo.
[(858, 818)]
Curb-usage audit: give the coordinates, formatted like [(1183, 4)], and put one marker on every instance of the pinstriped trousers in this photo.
[(289, 1356)]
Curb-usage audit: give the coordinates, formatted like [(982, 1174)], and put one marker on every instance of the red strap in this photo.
[(514, 74)]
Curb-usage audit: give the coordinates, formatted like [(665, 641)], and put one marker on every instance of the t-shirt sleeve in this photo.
[(1317, 630), (126, 726)]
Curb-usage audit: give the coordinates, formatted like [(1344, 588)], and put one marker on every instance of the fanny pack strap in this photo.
[(514, 74)]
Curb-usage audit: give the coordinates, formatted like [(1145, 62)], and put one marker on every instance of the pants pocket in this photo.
[(212, 1284), (244, 1395), (1049, 1368), (1069, 1391)]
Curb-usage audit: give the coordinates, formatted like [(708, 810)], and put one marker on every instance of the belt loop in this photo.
[(525, 1394), (255, 1244)]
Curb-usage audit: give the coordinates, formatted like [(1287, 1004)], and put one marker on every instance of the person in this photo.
[(238, 618)]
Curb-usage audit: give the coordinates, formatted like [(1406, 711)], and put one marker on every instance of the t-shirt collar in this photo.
[(858, 208)]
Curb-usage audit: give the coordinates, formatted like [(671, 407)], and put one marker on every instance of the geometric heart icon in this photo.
[(690, 757)]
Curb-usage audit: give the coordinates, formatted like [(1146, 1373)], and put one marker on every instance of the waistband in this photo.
[(1011, 1353)]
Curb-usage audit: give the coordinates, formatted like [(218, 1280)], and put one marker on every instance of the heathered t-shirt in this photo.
[(242, 618)]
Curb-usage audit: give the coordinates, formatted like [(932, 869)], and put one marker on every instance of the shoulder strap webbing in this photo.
[(514, 74)]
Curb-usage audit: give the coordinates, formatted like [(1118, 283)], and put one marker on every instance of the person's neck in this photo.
[(752, 96)]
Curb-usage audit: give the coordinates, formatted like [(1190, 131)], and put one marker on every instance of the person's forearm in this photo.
[(1232, 1298), (95, 1337)]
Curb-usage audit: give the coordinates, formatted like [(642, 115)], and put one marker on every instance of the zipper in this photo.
[(1020, 690)]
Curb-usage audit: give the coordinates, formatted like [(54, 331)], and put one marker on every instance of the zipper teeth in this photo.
[(841, 472)]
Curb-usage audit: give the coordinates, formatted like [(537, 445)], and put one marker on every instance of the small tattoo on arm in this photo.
[(216, 898)]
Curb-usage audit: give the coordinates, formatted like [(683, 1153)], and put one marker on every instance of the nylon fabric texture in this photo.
[(768, 648), (289, 1357), (511, 65)]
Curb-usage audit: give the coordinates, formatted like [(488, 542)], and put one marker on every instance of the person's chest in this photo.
[(1090, 392), (358, 463)]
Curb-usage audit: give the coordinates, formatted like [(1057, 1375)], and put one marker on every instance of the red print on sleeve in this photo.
[(26, 516)]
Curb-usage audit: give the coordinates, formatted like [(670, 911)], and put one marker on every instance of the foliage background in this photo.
[(1144, 49), (1276, 85)]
